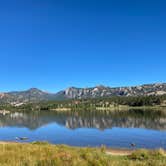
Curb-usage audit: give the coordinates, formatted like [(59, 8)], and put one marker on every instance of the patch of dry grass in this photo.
[(44, 154)]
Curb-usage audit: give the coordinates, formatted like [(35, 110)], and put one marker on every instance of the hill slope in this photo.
[(34, 94)]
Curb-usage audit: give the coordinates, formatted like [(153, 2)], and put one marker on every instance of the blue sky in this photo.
[(54, 44)]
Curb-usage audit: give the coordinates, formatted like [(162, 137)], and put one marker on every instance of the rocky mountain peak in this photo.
[(35, 90), (35, 94)]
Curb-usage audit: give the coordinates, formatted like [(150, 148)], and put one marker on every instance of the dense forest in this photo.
[(115, 101)]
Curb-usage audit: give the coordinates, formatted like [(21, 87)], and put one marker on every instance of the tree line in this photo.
[(115, 101)]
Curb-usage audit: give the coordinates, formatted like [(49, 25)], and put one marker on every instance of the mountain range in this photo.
[(34, 94)]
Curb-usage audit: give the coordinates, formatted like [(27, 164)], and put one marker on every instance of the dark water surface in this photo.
[(87, 128)]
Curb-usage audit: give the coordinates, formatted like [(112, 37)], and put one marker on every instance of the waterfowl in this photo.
[(132, 144)]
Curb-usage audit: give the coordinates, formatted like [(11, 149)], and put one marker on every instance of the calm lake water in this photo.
[(87, 128)]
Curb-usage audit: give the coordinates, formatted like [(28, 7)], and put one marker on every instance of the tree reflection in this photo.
[(87, 119)]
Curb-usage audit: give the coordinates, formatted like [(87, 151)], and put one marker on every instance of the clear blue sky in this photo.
[(53, 44)]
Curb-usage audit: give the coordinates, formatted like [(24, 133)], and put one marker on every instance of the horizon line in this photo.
[(44, 90)]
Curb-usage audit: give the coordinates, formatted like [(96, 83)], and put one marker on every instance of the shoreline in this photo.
[(44, 154), (108, 150), (119, 108)]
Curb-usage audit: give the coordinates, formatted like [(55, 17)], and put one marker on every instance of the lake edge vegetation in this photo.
[(110, 103), (43, 153)]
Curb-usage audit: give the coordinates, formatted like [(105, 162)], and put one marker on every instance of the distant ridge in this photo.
[(34, 94)]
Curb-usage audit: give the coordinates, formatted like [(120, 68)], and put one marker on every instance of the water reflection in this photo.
[(86, 119)]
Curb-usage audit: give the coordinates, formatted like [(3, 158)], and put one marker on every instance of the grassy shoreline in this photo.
[(126, 107), (111, 108), (44, 154), (116, 108)]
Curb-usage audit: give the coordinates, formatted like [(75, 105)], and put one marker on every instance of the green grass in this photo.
[(44, 154), (127, 108)]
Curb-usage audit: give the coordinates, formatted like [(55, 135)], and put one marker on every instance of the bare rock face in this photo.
[(34, 94), (102, 91), (2, 95), (72, 92)]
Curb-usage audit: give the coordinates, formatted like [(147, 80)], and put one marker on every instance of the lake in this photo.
[(146, 129)]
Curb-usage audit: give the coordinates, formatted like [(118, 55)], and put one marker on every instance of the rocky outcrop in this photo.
[(33, 94), (102, 91)]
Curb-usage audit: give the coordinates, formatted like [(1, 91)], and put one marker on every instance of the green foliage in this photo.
[(91, 104), (39, 154), (146, 155), (40, 143)]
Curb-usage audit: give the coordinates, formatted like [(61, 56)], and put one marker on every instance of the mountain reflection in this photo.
[(86, 119)]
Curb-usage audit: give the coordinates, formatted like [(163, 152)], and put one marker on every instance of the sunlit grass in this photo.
[(44, 154)]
